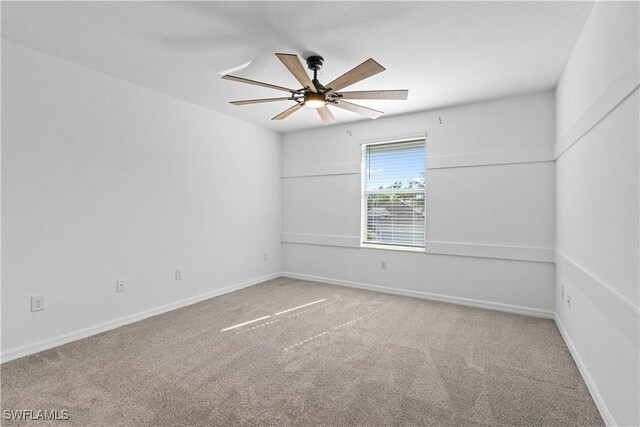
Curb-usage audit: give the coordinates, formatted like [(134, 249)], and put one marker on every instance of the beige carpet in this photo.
[(351, 358)]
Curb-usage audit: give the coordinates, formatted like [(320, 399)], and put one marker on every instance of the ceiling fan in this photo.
[(316, 95)]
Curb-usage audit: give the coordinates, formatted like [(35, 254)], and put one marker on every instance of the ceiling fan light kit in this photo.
[(318, 96), (314, 100)]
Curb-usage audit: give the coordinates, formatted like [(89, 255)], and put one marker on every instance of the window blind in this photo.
[(393, 205)]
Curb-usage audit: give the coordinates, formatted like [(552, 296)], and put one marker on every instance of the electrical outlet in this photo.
[(562, 292), (569, 301), (179, 273), (121, 286), (265, 256), (37, 303), (383, 264)]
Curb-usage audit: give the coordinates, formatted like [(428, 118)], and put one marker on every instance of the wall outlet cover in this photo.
[(179, 273)]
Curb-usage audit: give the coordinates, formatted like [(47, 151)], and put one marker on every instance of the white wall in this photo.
[(490, 202), (105, 180), (597, 208)]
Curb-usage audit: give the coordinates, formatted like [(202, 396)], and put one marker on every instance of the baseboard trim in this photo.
[(591, 385), (515, 309), (47, 344)]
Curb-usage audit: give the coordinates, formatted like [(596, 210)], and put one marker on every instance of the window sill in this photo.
[(394, 247)]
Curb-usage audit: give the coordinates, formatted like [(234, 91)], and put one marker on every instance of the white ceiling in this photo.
[(445, 53)]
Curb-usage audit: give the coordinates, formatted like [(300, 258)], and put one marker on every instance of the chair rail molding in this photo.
[(516, 253), (489, 158), (621, 87)]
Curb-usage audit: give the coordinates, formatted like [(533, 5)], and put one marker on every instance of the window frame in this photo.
[(363, 196)]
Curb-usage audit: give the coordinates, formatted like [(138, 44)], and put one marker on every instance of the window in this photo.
[(393, 197)]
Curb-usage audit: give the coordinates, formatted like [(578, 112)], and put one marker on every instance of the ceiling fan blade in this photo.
[(257, 83), (367, 69), (286, 113), (293, 64), (326, 115), (369, 112), (259, 101), (375, 94)]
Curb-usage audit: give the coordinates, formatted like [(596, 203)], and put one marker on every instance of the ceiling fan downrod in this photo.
[(314, 63)]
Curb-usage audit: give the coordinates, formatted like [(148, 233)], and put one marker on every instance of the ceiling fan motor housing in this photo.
[(315, 62)]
